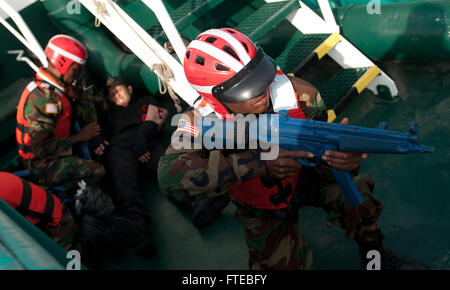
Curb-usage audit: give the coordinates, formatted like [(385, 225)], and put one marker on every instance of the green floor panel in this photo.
[(265, 18), (339, 84), (298, 50)]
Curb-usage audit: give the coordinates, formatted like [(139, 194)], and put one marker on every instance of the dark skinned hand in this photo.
[(145, 157), (286, 165), (344, 160), (101, 148)]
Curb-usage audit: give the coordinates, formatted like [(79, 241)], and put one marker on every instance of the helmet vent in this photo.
[(211, 39), (221, 67), (231, 52), (200, 60), (245, 46), (188, 54), (230, 31)]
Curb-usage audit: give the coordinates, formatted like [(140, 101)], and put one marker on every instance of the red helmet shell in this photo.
[(215, 56), (62, 51)]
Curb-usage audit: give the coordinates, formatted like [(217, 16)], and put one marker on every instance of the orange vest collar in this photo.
[(44, 75)]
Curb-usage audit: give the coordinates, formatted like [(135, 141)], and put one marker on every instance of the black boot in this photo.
[(205, 212), (133, 235), (94, 236), (388, 259)]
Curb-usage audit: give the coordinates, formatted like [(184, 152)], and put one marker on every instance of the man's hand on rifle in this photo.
[(286, 165), (344, 160)]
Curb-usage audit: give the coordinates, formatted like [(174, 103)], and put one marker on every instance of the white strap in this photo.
[(282, 94), (66, 54), (45, 78)]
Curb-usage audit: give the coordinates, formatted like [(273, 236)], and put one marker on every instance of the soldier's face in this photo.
[(70, 75), (256, 105), (120, 95)]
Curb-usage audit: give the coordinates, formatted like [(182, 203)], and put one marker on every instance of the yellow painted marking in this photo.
[(331, 116), (328, 44), (366, 78)]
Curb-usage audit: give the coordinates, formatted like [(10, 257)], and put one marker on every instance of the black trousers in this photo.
[(123, 167)]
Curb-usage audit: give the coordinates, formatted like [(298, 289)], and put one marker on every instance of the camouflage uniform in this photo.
[(64, 234), (273, 236), (54, 163)]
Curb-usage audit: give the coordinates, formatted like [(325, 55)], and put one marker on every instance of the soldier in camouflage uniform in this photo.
[(271, 229), (47, 111)]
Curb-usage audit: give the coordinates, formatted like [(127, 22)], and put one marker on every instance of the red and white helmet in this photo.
[(62, 51), (225, 66)]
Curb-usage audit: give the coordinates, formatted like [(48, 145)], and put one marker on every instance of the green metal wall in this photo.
[(37, 19), (405, 31)]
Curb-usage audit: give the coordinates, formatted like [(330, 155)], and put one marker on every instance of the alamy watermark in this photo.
[(73, 7), (373, 7), (375, 262), (240, 132), (75, 260)]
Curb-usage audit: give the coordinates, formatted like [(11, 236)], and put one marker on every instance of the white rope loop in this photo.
[(165, 74), (162, 70)]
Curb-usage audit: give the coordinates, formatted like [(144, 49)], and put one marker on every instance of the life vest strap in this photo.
[(24, 208), (25, 201)]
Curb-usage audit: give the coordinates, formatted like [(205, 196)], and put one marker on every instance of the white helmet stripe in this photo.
[(66, 54), (202, 89), (217, 54), (238, 47)]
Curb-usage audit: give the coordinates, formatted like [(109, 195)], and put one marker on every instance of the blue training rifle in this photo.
[(317, 137)]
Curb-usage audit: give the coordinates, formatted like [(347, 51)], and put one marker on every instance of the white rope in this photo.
[(164, 74), (162, 70), (101, 10)]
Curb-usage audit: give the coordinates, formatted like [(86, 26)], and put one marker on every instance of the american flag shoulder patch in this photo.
[(185, 126), (51, 108)]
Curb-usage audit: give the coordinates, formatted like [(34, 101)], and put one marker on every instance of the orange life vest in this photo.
[(62, 127), (33, 202)]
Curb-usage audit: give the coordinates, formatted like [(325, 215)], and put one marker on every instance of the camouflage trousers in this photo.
[(274, 238), (66, 171), (64, 234)]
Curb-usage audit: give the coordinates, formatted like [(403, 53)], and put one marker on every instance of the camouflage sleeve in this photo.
[(196, 174), (310, 100), (86, 111), (41, 112)]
